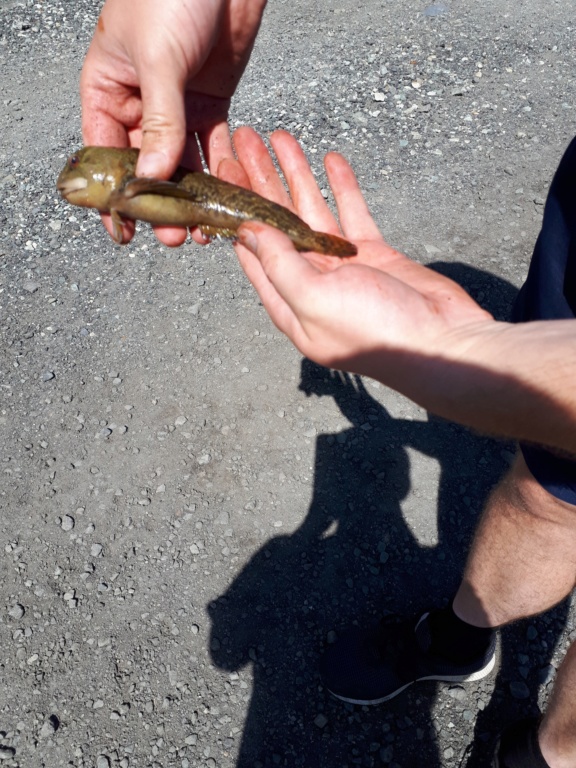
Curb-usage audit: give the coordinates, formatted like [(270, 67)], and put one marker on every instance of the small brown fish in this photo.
[(104, 178)]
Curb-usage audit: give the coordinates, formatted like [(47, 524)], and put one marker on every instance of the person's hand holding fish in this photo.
[(160, 75), (403, 324)]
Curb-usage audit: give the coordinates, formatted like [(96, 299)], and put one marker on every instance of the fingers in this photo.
[(163, 122), (257, 163), (355, 218), (279, 310), (128, 227), (283, 266), (306, 195), (231, 170), (216, 145)]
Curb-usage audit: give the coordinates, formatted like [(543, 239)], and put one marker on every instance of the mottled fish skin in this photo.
[(104, 178)]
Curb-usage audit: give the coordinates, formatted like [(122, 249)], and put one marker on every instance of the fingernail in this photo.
[(152, 164), (248, 239)]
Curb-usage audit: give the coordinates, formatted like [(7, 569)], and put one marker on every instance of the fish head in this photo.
[(92, 173)]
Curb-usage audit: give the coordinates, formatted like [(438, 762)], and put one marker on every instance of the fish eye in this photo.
[(73, 161)]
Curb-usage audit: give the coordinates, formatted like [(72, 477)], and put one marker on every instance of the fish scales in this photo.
[(104, 178)]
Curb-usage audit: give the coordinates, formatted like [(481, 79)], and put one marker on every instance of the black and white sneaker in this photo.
[(372, 666)]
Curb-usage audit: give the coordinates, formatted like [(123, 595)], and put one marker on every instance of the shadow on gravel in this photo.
[(355, 558)]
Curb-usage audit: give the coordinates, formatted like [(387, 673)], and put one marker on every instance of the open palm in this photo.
[(346, 313)]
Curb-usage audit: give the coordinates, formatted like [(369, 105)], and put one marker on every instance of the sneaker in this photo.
[(372, 666), (518, 746)]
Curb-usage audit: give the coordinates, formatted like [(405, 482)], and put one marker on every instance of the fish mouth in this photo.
[(68, 186)]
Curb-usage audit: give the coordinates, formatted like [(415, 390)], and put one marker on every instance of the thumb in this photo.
[(163, 123), (285, 269)]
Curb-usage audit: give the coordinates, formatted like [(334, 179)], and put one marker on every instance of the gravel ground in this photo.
[(190, 511)]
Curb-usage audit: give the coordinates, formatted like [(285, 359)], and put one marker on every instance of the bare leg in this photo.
[(557, 736), (523, 559)]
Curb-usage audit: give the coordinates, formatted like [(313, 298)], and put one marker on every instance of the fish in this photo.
[(105, 178)]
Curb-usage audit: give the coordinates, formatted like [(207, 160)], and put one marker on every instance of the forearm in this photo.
[(516, 381)]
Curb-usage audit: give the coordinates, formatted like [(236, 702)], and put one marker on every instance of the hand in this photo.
[(367, 313), (382, 315), (160, 75)]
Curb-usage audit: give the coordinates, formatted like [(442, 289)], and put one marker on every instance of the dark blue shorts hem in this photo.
[(549, 293)]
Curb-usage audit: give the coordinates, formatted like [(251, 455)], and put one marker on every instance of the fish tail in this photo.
[(331, 245)]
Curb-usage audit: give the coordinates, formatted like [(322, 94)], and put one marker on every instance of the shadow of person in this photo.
[(358, 555)]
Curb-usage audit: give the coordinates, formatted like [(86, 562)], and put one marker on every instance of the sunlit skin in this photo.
[(104, 178), (388, 317), (160, 76)]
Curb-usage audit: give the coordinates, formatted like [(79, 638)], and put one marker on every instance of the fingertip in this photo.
[(154, 163), (248, 237), (172, 237)]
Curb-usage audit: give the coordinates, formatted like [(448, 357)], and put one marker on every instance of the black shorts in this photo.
[(549, 293)]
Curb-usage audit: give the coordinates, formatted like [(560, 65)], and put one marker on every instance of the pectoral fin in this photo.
[(117, 222), (151, 186)]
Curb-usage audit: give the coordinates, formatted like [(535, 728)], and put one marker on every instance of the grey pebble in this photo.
[(17, 611), (320, 721), (546, 674), (30, 286), (48, 376), (437, 9), (458, 693), (50, 727), (67, 522), (386, 754), (102, 761), (7, 753), (96, 550)]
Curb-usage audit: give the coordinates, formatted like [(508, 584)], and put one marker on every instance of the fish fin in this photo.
[(330, 245), (149, 186), (117, 222), (219, 232)]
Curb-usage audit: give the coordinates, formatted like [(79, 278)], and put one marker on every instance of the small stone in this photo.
[(7, 753), (320, 721), (30, 286), (546, 674), (48, 376), (96, 550), (379, 96), (67, 522), (50, 727), (437, 9), (457, 692), (55, 225), (102, 761), (17, 611), (180, 421), (386, 754)]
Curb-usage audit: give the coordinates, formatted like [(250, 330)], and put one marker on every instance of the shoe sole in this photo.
[(484, 672)]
